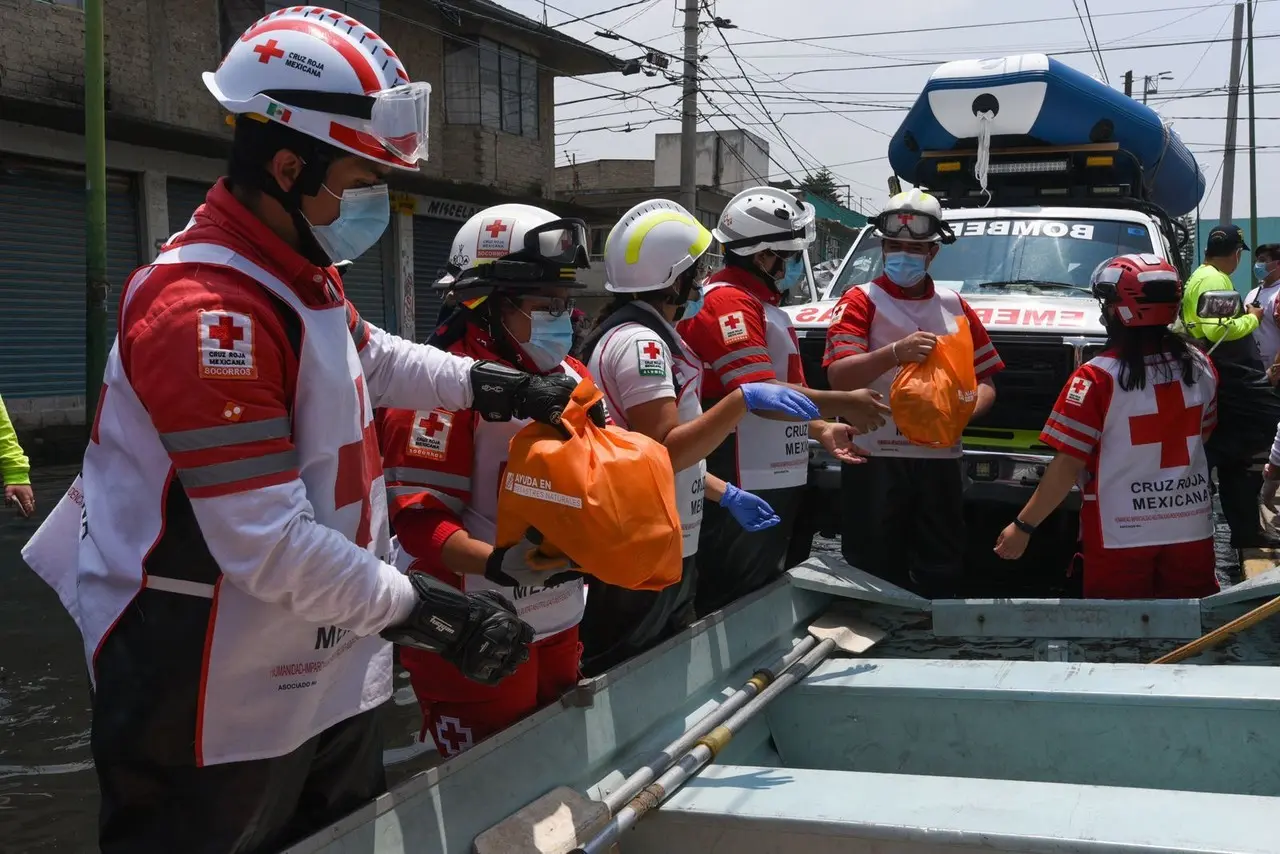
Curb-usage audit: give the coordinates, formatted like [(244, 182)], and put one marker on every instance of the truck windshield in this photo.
[(1014, 256)]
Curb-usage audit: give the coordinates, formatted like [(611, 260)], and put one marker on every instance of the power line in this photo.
[(593, 14), (1097, 57)]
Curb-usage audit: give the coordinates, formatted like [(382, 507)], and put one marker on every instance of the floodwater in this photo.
[(48, 792)]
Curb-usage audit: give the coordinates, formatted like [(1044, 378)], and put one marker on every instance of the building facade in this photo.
[(492, 75)]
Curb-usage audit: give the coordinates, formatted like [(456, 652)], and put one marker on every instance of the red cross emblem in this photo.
[(495, 228), (359, 464), (1171, 425), (652, 350), (431, 425), (443, 727), (226, 333), (268, 51), (732, 321), (1079, 386)]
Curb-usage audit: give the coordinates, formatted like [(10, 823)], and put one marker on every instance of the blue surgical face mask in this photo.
[(905, 269), (692, 306), (362, 218), (793, 273), (550, 339), (1260, 271)]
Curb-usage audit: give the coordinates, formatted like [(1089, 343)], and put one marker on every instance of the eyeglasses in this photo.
[(554, 306)]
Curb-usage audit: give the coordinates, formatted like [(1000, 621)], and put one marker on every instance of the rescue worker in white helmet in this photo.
[(512, 271), (231, 582), (741, 336), (1130, 426), (653, 262), (902, 514)]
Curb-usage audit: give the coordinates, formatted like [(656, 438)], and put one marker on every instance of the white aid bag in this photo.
[(54, 550)]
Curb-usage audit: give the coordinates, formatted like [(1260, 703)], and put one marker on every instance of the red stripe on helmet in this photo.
[(361, 64), (365, 144)]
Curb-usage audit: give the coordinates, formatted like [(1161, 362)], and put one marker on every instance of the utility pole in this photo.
[(95, 167), (1253, 153), (689, 118), (1128, 84), (1233, 99)]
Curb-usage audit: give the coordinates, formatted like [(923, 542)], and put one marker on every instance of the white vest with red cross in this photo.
[(1152, 481), (773, 454), (269, 684), (893, 320), (548, 610)]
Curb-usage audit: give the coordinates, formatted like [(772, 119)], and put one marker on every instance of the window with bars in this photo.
[(490, 84), (236, 16)]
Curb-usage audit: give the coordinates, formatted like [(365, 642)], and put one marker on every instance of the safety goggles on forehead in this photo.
[(554, 306), (912, 226), (804, 227), (396, 117), (562, 242)]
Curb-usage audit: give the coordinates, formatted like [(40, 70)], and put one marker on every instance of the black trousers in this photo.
[(902, 520), (256, 807), (1238, 488), (733, 562), (619, 623)]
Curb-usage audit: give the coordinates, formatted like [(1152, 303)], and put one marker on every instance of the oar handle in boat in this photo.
[(704, 750), (1221, 633), (757, 683)]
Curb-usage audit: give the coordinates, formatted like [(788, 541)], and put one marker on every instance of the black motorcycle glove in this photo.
[(501, 393), (479, 633)]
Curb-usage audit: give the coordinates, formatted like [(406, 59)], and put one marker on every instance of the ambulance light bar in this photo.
[(1024, 167)]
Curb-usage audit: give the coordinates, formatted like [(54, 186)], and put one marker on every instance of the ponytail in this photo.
[(1136, 343)]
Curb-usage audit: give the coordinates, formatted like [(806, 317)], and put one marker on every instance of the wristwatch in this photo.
[(1023, 526)]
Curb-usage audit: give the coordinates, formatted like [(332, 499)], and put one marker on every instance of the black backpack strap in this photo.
[(633, 312)]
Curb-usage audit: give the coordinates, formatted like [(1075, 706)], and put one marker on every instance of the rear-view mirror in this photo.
[(1219, 305)]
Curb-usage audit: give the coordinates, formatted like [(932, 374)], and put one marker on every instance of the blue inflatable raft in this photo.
[(1034, 100)]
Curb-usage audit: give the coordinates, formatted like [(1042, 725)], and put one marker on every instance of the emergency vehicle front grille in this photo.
[(1036, 367)]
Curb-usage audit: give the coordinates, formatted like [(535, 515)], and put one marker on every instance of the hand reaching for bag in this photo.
[(863, 409), (775, 397), (526, 565), (916, 347), (749, 510)]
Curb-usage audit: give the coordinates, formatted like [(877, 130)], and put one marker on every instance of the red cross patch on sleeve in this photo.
[(733, 327), (226, 346), (429, 437), (650, 359), (1078, 390)]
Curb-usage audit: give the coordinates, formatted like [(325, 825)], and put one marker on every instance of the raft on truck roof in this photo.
[(1006, 725), (1051, 132)]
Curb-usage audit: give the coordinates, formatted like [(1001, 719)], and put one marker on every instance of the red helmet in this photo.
[(1144, 289)]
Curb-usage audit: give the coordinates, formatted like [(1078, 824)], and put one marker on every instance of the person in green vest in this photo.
[(1247, 408), (15, 468), (1234, 337)]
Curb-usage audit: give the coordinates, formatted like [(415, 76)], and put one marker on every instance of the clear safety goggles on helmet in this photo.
[(912, 226), (553, 251), (397, 117), (803, 227)]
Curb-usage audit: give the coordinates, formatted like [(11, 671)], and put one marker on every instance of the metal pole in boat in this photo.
[(1233, 101), (703, 752), (759, 680), (1128, 84), (1253, 151), (96, 341)]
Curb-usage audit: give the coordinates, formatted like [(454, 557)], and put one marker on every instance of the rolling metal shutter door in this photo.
[(42, 275), (363, 283), (432, 238), (184, 198)]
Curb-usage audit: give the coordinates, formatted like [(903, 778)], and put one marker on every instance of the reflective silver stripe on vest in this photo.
[(751, 368), (230, 472), (359, 332), (744, 353), (204, 438), (184, 588), (427, 477), (455, 505), (1078, 426), (1069, 441)]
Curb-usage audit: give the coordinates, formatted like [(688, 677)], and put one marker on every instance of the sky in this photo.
[(837, 109)]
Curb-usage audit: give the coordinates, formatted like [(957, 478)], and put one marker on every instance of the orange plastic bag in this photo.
[(605, 497), (933, 400)]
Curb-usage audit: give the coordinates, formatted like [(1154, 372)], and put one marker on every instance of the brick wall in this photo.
[(155, 51), (604, 175)]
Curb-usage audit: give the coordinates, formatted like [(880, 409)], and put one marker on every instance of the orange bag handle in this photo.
[(585, 396)]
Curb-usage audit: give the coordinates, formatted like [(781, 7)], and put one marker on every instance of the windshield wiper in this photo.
[(1036, 283)]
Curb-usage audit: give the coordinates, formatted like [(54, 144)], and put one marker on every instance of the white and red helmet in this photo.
[(330, 77), (1145, 290)]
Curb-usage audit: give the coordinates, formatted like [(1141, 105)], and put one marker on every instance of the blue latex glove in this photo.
[(774, 397), (750, 511)]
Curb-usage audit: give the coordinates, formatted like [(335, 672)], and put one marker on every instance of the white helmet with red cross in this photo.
[(516, 247), (330, 77)]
